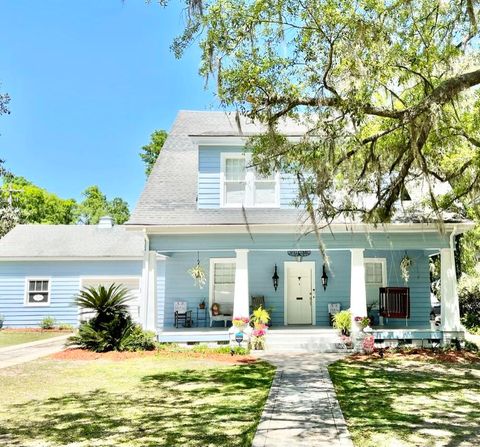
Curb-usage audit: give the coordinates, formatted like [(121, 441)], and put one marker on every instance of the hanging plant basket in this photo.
[(405, 265), (198, 274)]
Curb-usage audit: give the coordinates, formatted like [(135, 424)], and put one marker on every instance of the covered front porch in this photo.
[(306, 287)]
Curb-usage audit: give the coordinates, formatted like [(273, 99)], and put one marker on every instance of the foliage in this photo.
[(469, 298), (151, 151), (37, 205), (9, 214), (343, 321), (111, 327), (4, 100), (47, 323), (2, 319), (65, 327), (383, 92), (95, 205), (405, 266), (139, 340), (258, 339), (260, 316)]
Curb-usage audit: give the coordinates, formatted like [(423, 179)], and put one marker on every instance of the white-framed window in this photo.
[(222, 283), (243, 185), (375, 277), (37, 292)]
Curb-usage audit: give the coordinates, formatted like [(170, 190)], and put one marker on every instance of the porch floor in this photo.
[(221, 334)]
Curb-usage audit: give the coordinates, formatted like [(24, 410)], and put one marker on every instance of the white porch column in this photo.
[(241, 300), (358, 294), (448, 290), (148, 298)]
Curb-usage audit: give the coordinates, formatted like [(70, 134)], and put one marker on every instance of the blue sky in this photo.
[(90, 80)]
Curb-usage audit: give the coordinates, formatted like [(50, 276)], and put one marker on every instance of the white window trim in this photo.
[(27, 284), (211, 275), (250, 183), (382, 261)]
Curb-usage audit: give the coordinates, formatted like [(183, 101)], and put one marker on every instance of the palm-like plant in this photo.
[(111, 324), (106, 303)]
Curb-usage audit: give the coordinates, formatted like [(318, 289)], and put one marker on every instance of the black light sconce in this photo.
[(275, 278), (324, 278)]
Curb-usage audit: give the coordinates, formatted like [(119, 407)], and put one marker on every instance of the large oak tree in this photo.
[(386, 90)]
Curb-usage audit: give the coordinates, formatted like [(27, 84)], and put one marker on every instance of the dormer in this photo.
[(227, 179)]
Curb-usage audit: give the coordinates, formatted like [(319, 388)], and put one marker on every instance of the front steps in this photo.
[(303, 340)]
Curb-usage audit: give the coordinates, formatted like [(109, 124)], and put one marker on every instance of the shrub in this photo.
[(343, 321), (469, 298), (2, 319), (47, 323), (139, 340), (111, 326), (65, 327)]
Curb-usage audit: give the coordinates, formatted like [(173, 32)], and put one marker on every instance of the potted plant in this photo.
[(258, 339), (343, 322), (362, 322), (201, 304), (260, 318), (368, 344), (240, 322)]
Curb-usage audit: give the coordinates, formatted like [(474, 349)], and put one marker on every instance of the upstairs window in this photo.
[(38, 292), (242, 185)]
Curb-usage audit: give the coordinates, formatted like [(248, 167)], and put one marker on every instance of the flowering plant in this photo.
[(259, 332), (368, 344), (258, 338), (363, 322), (240, 321)]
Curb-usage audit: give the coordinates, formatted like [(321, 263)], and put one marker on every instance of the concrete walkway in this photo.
[(302, 409), (26, 352)]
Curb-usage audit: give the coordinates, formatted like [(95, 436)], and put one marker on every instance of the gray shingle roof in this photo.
[(85, 241), (170, 195)]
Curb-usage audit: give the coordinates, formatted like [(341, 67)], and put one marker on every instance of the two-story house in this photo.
[(204, 203)]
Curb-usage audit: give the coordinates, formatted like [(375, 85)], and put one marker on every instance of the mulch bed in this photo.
[(36, 329), (83, 354), (421, 354)]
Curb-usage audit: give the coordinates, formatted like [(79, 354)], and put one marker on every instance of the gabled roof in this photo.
[(71, 241), (170, 195)]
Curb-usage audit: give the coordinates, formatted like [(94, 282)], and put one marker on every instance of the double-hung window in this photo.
[(243, 185), (38, 292)]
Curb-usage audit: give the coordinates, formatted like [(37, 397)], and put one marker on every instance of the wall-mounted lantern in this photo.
[(275, 278), (324, 278)]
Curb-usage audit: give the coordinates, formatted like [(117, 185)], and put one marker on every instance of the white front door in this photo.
[(299, 292)]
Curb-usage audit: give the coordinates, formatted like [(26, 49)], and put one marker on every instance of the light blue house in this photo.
[(202, 202), (42, 268)]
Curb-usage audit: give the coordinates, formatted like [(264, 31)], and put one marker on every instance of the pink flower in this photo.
[(258, 333)]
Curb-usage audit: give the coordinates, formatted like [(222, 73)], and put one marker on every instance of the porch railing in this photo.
[(394, 302)]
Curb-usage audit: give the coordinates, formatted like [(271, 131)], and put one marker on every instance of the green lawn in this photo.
[(409, 402), (8, 338), (152, 401)]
